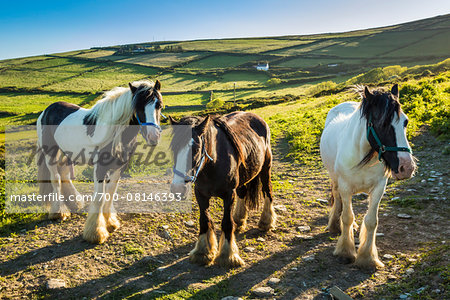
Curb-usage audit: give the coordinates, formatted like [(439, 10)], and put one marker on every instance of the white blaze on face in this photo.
[(182, 163), (150, 112), (400, 134)]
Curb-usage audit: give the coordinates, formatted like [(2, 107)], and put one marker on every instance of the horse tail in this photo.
[(253, 193), (331, 201), (43, 174)]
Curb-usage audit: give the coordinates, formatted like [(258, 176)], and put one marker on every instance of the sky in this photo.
[(30, 28)]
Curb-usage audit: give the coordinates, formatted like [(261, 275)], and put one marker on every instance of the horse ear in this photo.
[(157, 85), (132, 88), (394, 90), (201, 128), (172, 121), (367, 94)]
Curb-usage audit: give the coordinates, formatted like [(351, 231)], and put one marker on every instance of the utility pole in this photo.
[(234, 93)]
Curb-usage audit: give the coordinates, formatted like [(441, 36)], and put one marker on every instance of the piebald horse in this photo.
[(362, 145), (231, 159), (67, 133)]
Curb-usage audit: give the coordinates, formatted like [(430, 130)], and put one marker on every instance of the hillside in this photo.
[(143, 260), (189, 70)]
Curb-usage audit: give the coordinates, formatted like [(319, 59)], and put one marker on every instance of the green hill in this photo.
[(189, 70), (308, 75)]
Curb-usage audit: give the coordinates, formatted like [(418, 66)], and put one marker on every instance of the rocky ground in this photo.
[(147, 256)]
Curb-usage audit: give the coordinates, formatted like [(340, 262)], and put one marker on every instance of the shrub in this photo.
[(425, 102), (378, 75), (320, 87), (273, 81), (215, 103)]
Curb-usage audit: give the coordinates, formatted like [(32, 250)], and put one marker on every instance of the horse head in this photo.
[(189, 148), (148, 103), (386, 131)]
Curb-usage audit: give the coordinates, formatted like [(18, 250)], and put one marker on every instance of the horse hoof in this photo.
[(59, 216), (112, 224), (99, 236), (263, 226), (345, 260), (232, 261), (368, 263), (111, 227), (203, 259), (240, 226), (334, 229), (345, 257)]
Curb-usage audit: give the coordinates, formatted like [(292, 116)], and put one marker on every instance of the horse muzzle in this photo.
[(153, 136), (178, 188), (406, 168)]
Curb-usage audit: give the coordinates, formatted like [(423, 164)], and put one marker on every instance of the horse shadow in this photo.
[(44, 254), (24, 226), (170, 274)]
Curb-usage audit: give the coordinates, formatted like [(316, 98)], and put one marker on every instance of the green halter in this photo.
[(383, 148)]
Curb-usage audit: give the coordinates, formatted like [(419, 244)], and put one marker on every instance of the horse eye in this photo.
[(405, 123), (158, 105)]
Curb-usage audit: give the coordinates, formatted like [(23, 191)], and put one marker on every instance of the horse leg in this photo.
[(334, 225), (57, 209), (228, 249), (240, 213), (367, 253), (69, 191), (95, 228), (112, 223), (206, 246), (345, 248), (268, 217)]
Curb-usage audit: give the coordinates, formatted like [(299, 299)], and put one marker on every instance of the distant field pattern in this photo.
[(162, 59), (239, 45)]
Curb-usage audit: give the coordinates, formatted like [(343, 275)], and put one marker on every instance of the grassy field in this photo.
[(28, 103), (24, 108), (179, 82), (297, 60), (306, 48), (423, 46), (8, 63), (41, 73), (162, 59), (380, 44), (238, 45), (221, 61), (186, 99), (99, 54), (102, 78)]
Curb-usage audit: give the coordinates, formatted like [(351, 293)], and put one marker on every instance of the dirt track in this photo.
[(144, 260)]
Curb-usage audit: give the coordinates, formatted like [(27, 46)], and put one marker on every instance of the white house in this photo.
[(263, 67)]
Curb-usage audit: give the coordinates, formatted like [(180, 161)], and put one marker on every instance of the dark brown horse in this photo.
[(231, 159)]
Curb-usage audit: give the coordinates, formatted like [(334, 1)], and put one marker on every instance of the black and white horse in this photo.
[(362, 145), (231, 159), (67, 133)]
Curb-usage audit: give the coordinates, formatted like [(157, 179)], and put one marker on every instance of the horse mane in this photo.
[(382, 111), (117, 107), (233, 136), (181, 137)]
